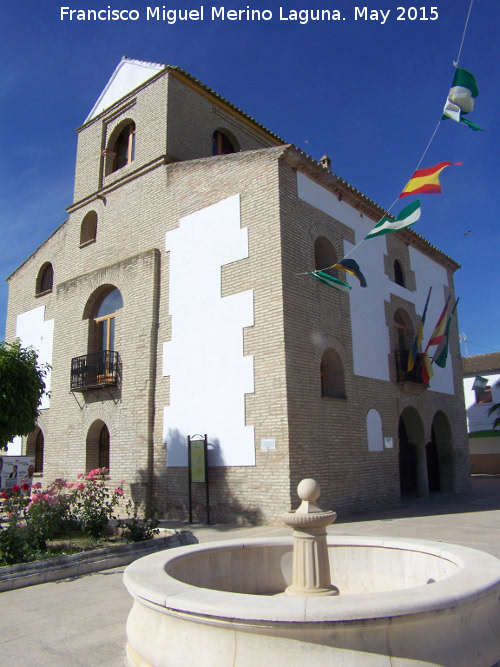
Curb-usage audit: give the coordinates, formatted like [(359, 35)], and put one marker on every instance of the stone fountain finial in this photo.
[(311, 568)]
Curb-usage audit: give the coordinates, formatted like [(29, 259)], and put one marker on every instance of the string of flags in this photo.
[(459, 103)]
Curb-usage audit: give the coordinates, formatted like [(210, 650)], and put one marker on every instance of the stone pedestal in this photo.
[(311, 568)]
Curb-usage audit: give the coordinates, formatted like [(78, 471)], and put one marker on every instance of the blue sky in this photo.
[(367, 94)]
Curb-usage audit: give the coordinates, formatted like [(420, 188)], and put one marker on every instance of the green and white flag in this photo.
[(480, 384), (407, 217), (329, 280), (461, 98)]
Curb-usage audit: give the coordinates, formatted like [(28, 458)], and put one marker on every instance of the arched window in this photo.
[(34, 448), (399, 278), (104, 447), (404, 342), (401, 332), (332, 375), (325, 256), (88, 230), (45, 279), (101, 366), (222, 144), (104, 321), (123, 149), (97, 446)]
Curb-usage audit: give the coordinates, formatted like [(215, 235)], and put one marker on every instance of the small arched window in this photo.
[(88, 230), (104, 447), (97, 446), (325, 256), (332, 375), (45, 279), (34, 448), (399, 278), (123, 150), (222, 144)]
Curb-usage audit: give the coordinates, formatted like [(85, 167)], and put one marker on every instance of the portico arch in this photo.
[(441, 446), (413, 475)]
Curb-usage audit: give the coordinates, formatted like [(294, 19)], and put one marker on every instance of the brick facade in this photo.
[(296, 319)]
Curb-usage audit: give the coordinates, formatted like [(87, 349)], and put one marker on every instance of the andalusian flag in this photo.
[(461, 98), (441, 354), (407, 217), (418, 340), (329, 280), (426, 181), (350, 266)]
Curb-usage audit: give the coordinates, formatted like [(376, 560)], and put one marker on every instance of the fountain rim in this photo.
[(147, 580)]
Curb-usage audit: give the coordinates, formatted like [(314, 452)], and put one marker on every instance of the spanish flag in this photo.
[(426, 181)]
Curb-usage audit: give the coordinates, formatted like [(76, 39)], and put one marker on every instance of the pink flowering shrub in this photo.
[(94, 503), (28, 522), (18, 539)]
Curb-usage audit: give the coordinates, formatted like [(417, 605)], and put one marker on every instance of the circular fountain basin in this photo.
[(401, 602)]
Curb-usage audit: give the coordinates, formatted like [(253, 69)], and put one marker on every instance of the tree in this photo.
[(21, 389)]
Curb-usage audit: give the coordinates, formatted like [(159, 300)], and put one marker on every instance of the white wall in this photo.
[(477, 413), (33, 330), (209, 376), (128, 75), (370, 335)]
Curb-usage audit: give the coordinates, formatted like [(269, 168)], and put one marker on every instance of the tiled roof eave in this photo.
[(481, 364)]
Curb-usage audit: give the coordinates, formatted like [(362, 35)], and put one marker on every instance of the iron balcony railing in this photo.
[(402, 372), (98, 369)]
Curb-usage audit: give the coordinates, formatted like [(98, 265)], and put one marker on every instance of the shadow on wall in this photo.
[(139, 490), (177, 447), (226, 503)]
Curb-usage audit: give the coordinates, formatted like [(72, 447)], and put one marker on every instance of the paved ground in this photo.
[(81, 621)]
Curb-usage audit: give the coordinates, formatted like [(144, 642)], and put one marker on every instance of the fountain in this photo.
[(258, 601)]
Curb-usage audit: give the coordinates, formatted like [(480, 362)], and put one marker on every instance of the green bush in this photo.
[(136, 528)]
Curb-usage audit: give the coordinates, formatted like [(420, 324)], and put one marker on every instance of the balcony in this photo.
[(402, 373), (92, 371)]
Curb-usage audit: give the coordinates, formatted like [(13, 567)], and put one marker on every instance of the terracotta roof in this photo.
[(481, 363)]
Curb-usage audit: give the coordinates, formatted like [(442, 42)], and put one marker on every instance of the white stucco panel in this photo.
[(209, 376), (34, 331), (374, 431)]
